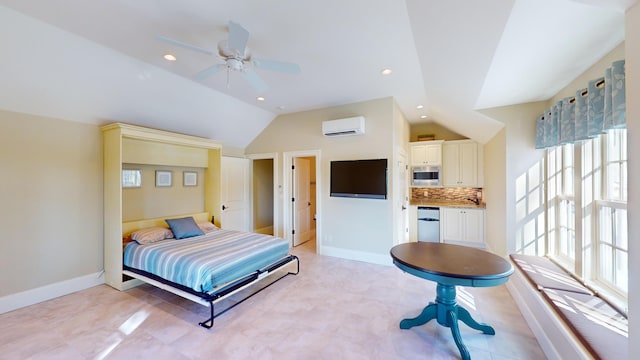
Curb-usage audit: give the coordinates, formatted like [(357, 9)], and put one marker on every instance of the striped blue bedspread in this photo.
[(205, 262)]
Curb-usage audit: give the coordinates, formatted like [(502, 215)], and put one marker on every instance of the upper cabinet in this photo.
[(460, 163), (426, 153)]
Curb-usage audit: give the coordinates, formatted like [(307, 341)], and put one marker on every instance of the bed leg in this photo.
[(208, 324), (297, 266)]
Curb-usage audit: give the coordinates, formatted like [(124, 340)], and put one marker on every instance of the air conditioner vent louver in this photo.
[(343, 127), (340, 133)]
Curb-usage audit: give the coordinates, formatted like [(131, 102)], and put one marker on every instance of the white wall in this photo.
[(495, 170), (350, 225), (632, 50), (519, 157), (51, 201)]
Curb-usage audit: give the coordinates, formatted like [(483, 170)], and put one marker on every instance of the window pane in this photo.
[(613, 146), (605, 268), (621, 229), (567, 169), (605, 223), (613, 181), (566, 221), (621, 270), (623, 173)]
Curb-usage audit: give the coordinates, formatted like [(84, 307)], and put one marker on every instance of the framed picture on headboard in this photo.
[(131, 178), (163, 178), (189, 178)]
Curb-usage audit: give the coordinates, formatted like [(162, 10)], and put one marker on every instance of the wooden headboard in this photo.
[(129, 227)]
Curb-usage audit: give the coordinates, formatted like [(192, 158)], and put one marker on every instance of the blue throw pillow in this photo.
[(184, 227)]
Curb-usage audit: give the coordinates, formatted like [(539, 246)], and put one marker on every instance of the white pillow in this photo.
[(151, 235)]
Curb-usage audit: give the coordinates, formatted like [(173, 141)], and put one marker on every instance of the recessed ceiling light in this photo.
[(423, 116), (419, 107), (386, 71), (260, 98), (281, 107), (170, 57)]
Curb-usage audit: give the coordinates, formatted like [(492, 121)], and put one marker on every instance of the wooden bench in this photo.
[(599, 326)]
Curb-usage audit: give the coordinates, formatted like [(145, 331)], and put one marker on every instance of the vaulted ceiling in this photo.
[(102, 61)]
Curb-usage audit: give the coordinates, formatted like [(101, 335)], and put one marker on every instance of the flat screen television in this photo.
[(359, 178)]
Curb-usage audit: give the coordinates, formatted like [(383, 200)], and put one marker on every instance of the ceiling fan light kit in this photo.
[(236, 56)]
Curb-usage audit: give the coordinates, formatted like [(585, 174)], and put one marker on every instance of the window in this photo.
[(587, 191), (611, 250), (562, 203)]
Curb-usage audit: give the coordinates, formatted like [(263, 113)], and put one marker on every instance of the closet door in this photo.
[(235, 194)]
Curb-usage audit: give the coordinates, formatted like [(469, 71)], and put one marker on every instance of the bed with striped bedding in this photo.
[(207, 262)]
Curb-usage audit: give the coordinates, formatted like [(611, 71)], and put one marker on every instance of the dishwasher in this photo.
[(428, 224)]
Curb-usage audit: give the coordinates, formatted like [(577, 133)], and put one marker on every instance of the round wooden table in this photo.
[(450, 266)]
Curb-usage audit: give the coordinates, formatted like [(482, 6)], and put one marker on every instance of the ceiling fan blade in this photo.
[(278, 66), (209, 71), (238, 37), (255, 80), (184, 45)]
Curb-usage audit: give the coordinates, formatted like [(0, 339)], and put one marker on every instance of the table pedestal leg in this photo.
[(465, 317), (448, 312), (427, 314)]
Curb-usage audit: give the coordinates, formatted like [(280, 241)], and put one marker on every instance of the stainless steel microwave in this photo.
[(426, 175)]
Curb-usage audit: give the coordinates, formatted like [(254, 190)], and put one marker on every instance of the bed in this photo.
[(194, 259)]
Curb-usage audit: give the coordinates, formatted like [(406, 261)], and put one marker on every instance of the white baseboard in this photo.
[(356, 255), (48, 292)]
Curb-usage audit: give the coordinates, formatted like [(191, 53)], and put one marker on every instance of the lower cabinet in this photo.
[(462, 226)]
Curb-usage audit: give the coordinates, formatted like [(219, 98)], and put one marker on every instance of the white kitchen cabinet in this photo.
[(426, 153), (460, 163), (462, 226)]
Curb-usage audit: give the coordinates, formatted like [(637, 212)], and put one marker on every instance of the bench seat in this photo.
[(600, 327)]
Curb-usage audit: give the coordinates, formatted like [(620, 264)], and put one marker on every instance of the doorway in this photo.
[(264, 194), (302, 218)]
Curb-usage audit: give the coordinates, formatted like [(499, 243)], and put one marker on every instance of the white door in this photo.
[(235, 194), (474, 226), (403, 199), (301, 201), (451, 224)]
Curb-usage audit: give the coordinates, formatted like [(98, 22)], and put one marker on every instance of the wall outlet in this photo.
[(425, 193)]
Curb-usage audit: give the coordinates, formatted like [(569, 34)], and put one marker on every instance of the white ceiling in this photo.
[(100, 61)]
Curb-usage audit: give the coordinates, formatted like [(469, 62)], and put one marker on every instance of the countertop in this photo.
[(441, 203)]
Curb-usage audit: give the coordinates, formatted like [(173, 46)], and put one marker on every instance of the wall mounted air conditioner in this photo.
[(343, 127)]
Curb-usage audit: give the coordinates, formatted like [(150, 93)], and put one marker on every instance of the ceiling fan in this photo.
[(237, 56)]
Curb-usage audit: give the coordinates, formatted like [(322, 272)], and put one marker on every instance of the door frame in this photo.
[(288, 193), (276, 182)]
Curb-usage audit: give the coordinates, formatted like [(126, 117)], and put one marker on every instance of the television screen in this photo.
[(359, 178)]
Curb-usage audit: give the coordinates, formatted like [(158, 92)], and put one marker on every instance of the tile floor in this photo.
[(334, 309)]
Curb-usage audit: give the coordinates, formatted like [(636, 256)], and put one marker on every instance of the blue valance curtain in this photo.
[(592, 111)]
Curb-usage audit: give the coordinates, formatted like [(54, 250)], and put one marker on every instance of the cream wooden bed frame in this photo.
[(129, 227)]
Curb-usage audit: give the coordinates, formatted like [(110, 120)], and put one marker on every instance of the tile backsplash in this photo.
[(454, 194)]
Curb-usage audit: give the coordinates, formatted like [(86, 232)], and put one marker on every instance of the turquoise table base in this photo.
[(447, 311)]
